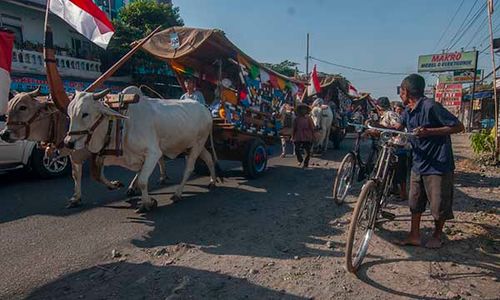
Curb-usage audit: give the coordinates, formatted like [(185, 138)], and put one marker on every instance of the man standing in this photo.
[(433, 163), (191, 93)]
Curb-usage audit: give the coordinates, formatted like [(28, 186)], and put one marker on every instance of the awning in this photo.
[(480, 95)]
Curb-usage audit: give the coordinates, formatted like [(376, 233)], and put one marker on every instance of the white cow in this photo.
[(322, 117), (30, 119), (152, 128)]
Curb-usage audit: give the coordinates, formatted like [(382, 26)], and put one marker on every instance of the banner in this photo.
[(447, 62), (460, 77), (450, 96)]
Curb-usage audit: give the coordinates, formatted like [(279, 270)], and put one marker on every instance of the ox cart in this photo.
[(244, 96)]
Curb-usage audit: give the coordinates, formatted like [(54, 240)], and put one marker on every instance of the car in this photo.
[(27, 155)]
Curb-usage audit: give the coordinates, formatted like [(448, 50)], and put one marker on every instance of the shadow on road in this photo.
[(279, 215), (146, 281)]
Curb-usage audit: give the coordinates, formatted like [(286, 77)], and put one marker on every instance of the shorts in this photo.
[(435, 189)]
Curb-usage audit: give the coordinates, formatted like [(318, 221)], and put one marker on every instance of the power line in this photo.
[(475, 34), (469, 25), (356, 69), (449, 24), (463, 23)]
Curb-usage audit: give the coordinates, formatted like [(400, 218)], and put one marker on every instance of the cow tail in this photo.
[(218, 170)]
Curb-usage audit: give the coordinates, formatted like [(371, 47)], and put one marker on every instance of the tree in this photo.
[(286, 67), (135, 21)]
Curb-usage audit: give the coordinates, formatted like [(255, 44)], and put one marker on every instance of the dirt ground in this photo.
[(282, 237)]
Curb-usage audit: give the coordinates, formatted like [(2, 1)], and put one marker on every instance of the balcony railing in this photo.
[(27, 61)]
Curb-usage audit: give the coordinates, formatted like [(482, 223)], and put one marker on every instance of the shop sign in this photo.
[(460, 77), (450, 96), (447, 62), (27, 83)]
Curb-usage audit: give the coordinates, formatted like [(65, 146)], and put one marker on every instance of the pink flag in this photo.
[(314, 85), (6, 44), (86, 18)]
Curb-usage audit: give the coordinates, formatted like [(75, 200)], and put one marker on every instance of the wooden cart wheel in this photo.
[(255, 159)]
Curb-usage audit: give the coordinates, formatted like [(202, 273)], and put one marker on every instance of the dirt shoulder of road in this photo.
[(282, 237)]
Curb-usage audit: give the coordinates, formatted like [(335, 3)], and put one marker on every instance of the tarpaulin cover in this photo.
[(198, 48)]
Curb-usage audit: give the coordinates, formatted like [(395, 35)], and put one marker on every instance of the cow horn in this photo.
[(35, 93), (101, 94)]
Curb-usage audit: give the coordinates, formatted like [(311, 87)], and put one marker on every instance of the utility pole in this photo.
[(471, 106), (495, 99), (307, 56)]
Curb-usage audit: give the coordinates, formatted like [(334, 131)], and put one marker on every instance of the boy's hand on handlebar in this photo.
[(421, 132)]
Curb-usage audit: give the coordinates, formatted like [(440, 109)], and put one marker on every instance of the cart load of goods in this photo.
[(242, 93), (255, 107)]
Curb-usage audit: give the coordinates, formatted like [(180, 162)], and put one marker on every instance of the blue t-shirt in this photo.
[(432, 155)]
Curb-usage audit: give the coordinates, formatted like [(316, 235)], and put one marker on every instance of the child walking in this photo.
[(303, 134)]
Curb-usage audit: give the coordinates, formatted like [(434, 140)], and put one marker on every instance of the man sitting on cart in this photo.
[(192, 93)]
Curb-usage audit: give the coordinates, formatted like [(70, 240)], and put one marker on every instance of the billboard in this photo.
[(450, 96), (447, 62), (460, 77)]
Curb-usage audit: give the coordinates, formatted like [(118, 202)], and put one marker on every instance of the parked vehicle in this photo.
[(26, 155)]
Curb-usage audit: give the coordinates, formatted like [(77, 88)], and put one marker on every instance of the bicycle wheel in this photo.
[(361, 227), (344, 178)]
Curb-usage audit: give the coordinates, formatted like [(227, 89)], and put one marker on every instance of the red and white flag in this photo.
[(314, 85), (353, 91), (6, 45), (86, 18)]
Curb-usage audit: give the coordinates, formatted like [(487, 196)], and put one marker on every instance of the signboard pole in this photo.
[(471, 107), (495, 99)]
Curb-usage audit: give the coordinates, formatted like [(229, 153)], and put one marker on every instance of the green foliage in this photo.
[(483, 142), (286, 67), (135, 21)]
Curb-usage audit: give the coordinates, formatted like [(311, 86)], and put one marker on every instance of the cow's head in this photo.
[(26, 118), (316, 115), (88, 121)]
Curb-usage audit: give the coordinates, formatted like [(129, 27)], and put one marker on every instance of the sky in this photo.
[(382, 35)]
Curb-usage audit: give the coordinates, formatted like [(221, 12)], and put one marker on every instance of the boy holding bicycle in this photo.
[(433, 163)]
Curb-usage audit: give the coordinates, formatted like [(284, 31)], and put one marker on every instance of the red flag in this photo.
[(314, 85), (6, 45), (353, 91), (86, 18)]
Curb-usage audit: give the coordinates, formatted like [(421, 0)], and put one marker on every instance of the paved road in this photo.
[(41, 240)]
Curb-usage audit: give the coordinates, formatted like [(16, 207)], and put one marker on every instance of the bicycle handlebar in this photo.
[(390, 130)]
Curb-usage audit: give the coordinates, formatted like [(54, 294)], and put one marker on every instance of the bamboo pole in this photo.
[(105, 76)]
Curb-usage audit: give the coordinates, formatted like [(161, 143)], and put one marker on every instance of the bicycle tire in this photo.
[(353, 265), (347, 167)]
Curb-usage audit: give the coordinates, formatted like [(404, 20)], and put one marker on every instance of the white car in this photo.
[(26, 155)]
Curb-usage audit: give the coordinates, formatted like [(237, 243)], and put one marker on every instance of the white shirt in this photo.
[(196, 96)]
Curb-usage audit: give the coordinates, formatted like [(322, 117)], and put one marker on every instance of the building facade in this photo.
[(77, 58)]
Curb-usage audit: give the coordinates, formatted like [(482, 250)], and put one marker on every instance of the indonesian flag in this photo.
[(6, 44), (353, 91), (314, 86), (86, 18)]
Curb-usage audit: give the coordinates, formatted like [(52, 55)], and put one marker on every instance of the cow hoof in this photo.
[(131, 192), (154, 204), (115, 184), (176, 198), (211, 186), (142, 209), (72, 203)]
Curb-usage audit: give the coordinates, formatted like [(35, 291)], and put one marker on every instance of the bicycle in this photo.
[(373, 197), (352, 164)]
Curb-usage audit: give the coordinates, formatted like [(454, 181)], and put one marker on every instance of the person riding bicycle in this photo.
[(431, 177)]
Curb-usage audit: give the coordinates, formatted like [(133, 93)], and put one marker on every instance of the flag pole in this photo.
[(99, 81), (46, 15)]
